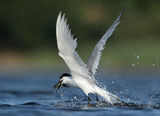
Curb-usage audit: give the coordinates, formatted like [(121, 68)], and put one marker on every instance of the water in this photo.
[(32, 95)]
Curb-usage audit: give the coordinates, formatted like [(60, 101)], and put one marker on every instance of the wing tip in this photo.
[(61, 20), (118, 20), (122, 12), (61, 17)]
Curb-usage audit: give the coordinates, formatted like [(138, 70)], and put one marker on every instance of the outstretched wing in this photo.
[(94, 59), (66, 46)]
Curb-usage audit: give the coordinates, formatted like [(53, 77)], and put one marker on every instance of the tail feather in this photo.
[(109, 97)]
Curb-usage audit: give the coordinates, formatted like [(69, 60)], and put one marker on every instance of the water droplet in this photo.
[(133, 65), (153, 65), (75, 97), (138, 57)]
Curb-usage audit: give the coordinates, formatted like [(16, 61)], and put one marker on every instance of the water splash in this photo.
[(138, 57), (153, 65), (133, 65)]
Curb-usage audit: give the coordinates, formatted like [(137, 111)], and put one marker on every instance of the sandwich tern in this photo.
[(82, 75)]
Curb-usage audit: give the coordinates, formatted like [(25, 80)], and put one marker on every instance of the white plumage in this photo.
[(82, 74), (94, 59)]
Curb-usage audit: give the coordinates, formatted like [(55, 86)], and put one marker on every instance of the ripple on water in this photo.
[(102, 104)]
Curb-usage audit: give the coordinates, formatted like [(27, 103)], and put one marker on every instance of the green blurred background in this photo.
[(28, 39)]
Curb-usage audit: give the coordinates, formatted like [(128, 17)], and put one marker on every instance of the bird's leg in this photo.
[(89, 99), (97, 98)]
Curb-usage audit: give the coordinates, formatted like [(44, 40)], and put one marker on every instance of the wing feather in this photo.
[(67, 45), (94, 59)]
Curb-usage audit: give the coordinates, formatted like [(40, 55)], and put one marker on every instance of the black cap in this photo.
[(64, 74)]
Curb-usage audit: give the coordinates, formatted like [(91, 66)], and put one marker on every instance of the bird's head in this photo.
[(63, 81)]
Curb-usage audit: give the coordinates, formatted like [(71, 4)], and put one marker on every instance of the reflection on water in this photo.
[(34, 95)]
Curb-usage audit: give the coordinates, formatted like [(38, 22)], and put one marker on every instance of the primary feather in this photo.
[(66, 46), (94, 59)]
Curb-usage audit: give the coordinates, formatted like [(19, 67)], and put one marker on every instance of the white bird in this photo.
[(82, 75)]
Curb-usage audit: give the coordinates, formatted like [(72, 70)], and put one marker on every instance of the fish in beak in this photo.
[(58, 85)]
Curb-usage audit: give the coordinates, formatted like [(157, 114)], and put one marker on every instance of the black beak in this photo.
[(58, 85)]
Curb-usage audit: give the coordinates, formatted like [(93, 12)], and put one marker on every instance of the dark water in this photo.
[(33, 95)]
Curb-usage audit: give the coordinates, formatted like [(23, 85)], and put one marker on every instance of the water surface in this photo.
[(33, 95)]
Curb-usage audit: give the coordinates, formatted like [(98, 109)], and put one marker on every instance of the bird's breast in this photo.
[(84, 85)]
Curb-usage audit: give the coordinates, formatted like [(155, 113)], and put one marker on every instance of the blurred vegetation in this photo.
[(28, 27)]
